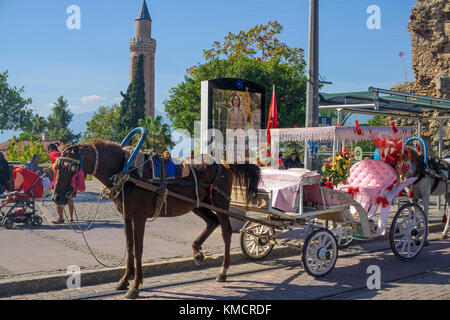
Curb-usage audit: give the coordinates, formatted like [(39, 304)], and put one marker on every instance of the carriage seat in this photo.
[(367, 182)]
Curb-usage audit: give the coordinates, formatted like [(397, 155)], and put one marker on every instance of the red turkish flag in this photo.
[(272, 123)]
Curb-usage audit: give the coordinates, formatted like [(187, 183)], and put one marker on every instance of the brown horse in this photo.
[(104, 159)]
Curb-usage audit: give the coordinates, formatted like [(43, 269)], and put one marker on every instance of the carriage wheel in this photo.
[(255, 242), (408, 232), (343, 235), (320, 252), (36, 221), (8, 223)]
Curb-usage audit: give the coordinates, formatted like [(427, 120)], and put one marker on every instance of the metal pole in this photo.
[(440, 149), (312, 86)]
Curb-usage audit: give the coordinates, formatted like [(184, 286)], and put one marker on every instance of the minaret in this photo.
[(143, 43)]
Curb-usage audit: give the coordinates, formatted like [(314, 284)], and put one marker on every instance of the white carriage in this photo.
[(322, 220)]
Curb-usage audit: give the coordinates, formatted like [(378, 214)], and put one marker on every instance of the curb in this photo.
[(55, 282)]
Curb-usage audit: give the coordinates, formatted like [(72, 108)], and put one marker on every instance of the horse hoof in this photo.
[(132, 294), (122, 285), (443, 237), (198, 258), (221, 278)]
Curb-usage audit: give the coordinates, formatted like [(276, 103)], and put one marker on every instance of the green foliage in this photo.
[(159, 138), (13, 110), (256, 55), (59, 120), (103, 124), (377, 121), (257, 43), (15, 152), (132, 107)]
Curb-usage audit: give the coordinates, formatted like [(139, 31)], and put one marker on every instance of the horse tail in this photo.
[(248, 176)]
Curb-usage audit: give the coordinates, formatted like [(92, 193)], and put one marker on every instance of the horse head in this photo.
[(415, 162), (65, 168)]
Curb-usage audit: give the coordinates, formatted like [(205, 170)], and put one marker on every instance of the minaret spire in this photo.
[(143, 13)]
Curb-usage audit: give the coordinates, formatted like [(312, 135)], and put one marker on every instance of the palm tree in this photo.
[(159, 137)]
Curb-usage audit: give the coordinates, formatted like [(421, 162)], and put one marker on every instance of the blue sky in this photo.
[(90, 67)]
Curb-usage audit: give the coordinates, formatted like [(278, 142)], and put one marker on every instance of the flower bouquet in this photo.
[(335, 172)]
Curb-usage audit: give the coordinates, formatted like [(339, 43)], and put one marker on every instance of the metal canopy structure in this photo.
[(387, 103)]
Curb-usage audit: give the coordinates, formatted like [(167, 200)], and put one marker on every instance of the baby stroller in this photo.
[(19, 207)]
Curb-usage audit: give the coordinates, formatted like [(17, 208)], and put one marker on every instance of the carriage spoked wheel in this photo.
[(319, 252), (8, 223), (36, 221), (255, 242), (343, 235), (408, 232)]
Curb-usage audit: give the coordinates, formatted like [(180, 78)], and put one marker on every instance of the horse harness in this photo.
[(435, 169), (178, 180)]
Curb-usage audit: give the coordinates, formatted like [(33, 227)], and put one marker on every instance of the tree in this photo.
[(34, 127), (103, 124), (258, 43), (13, 110), (159, 138), (59, 120), (16, 152), (256, 55), (377, 121), (132, 107)]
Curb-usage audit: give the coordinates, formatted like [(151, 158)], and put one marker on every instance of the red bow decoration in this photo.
[(392, 185), (329, 185), (383, 201), (358, 129), (418, 148), (411, 194), (393, 127), (295, 126), (352, 191), (338, 125)]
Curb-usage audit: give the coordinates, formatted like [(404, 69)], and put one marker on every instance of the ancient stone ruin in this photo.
[(429, 26)]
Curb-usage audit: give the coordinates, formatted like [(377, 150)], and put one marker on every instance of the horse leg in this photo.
[(426, 205), (123, 282), (226, 234), (138, 241), (211, 224), (444, 233)]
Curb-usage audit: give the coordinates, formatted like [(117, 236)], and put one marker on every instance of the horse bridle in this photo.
[(77, 164)]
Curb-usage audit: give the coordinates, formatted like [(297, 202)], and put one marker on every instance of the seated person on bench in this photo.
[(33, 164)]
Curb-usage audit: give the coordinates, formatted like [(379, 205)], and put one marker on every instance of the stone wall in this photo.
[(429, 26)]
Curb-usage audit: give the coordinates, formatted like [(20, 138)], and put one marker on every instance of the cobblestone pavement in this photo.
[(50, 249), (426, 277)]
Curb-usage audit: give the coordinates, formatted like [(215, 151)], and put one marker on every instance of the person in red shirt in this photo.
[(54, 155)]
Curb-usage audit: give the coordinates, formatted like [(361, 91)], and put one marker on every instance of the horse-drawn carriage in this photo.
[(290, 201), (321, 219)]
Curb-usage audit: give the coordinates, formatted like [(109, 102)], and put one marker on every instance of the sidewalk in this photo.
[(29, 251)]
